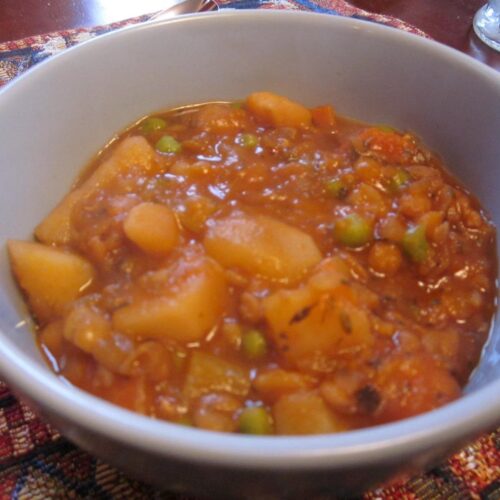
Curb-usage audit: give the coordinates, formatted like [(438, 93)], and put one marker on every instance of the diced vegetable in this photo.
[(399, 179), (369, 170), (339, 325), (168, 144), (56, 227), (340, 390), (329, 275), (304, 413), (412, 384), (130, 392), (323, 116), (255, 420), (385, 258), (51, 337), (249, 140), (368, 201), (353, 230), (90, 330), (232, 334), (254, 344), (262, 245), (186, 312), (387, 145), (415, 243), (431, 221), (275, 383), (277, 110), (215, 412), (391, 228), (197, 210), (219, 117), (337, 188), (386, 128), (153, 124), (149, 359), (152, 227), (50, 277), (185, 421), (86, 328), (414, 205), (133, 154), (207, 373)]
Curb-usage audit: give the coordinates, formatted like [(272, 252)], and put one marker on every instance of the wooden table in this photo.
[(447, 21)]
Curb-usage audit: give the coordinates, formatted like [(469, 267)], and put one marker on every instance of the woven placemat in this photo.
[(37, 463)]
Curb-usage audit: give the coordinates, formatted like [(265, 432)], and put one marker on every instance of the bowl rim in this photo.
[(461, 419)]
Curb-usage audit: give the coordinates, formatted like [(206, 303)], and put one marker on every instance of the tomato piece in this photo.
[(410, 384), (388, 146)]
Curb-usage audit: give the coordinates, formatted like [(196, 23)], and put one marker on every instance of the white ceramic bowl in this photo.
[(55, 117)]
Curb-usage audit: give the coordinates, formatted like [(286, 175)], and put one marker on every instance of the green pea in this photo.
[(249, 140), (254, 344), (415, 243), (399, 179), (386, 128), (153, 124), (337, 188), (352, 230), (255, 420), (167, 144), (186, 421), (237, 105)]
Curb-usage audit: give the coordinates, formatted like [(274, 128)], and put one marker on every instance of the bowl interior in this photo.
[(56, 117)]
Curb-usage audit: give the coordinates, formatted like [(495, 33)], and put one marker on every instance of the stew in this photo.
[(264, 268)]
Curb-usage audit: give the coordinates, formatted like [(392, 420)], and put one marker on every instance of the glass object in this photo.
[(487, 24)]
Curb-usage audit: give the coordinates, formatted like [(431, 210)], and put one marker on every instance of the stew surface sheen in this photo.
[(264, 268)]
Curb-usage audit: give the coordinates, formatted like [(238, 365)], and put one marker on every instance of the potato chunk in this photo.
[(218, 117), (275, 383), (152, 227), (134, 153), (277, 110), (315, 323), (186, 312), (304, 413), (207, 374), (50, 277), (262, 245), (332, 326)]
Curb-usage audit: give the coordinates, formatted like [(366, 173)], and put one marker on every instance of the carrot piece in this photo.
[(323, 116)]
